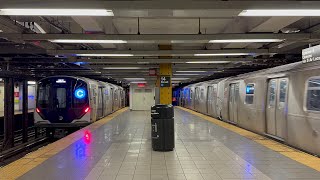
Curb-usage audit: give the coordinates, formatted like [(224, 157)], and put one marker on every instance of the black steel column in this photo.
[(8, 141), (25, 111)]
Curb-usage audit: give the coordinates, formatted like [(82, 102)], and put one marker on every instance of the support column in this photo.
[(165, 92), (25, 118), (165, 72), (8, 141)]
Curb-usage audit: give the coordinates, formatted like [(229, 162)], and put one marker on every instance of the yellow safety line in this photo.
[(19, 167), (292, 153)]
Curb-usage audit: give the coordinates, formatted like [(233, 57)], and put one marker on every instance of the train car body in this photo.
[(281, 102), (66, 101)]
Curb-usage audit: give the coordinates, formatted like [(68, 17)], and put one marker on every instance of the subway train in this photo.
[(281, 102), (70, 102)]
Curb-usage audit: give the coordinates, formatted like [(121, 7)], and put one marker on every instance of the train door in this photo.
[(112, 98), (209, 100), (277, 103), (197, 99), (100, 102), (233, 102), (214, 100)]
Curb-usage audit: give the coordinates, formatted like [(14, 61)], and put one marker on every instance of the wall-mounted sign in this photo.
[(311, 54), (152, 72), (165, 81), (141, 85)]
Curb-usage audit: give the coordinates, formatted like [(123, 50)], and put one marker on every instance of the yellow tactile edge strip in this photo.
[(292, 153), (19, 167)]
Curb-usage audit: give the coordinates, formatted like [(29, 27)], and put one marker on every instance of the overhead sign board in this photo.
[(165, 81), (311, 54)]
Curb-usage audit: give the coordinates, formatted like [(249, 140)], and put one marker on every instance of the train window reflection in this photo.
[(313, 95)]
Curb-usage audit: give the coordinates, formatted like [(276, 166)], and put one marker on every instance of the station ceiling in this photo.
[(123, 40)]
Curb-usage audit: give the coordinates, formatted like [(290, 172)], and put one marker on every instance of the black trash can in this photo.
[(162, 127)]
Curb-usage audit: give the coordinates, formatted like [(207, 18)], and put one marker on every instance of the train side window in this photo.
[(249, 94), (313, 94)]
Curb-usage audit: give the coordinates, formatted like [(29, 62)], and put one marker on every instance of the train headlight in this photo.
[(80, 93)]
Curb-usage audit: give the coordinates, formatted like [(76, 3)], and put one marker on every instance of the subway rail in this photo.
[(281, 102), (72, 102)]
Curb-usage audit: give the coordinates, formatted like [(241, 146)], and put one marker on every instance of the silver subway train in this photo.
[(281, 102), (66, 101)]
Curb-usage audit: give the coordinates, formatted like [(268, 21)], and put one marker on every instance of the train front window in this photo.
[(61, 98), (313, 94), (43, 95)]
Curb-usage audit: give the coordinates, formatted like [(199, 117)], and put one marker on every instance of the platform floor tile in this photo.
[(121, 150)]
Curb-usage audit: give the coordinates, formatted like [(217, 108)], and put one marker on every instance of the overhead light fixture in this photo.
[(115, 55), (1, 31), (134, 79), (245, 40), (39, 28), (137, 82), (186, 74), (87, 41), (207, 62), (116, 68), (143, 62), (179, 79), (190, 71), (31, 82), (56, 12), (224, 54), (280, 12)]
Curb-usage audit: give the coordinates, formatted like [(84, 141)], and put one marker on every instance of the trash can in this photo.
[(162, 127)]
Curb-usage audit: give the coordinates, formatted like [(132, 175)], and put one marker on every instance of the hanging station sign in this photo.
[(311, 54), (165, 81)]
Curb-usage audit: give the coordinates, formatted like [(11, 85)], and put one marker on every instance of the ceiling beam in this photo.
[(160, 52), (154, 4), (159, 38), (159, 60)]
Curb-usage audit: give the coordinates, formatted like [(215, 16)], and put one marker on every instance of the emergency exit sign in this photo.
[(165, 81)]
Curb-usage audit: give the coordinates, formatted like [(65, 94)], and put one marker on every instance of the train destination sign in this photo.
[(165, 81), (311, 54)]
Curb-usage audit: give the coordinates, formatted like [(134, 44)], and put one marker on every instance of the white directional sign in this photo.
[(311, 54)]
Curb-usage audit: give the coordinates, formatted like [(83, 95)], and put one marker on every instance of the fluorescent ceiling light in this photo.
[(207, 62), (56, 12), (245, 40), (134, 79), (191, 71), (93, 55), (186, 74), (88, 41), (136, 82), (223, 54), (123, 68), (280, 12), (1, 31), (178, 79), (40, 28), (143, 62), (31, 82)]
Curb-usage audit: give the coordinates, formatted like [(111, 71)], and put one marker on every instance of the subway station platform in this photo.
[(119, 147)]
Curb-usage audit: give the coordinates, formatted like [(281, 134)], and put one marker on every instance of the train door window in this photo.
[(202, 94), (313, 94), (61, 97), (283, 91), (191, 94), (249, 94), (272, 93)]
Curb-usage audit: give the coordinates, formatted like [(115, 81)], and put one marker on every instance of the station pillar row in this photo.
[(165, 92)]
